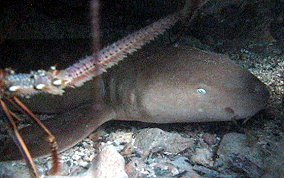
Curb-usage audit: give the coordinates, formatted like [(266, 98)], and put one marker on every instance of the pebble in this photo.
[(210, 139), (108, 164), (202, 156), (149, 139)]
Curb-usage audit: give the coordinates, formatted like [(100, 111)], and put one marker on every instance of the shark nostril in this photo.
[(229, 110)]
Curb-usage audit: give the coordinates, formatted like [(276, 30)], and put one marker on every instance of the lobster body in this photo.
[(3, 73)]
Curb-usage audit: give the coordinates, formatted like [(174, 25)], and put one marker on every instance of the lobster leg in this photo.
[(50, 137), (69, 128), (17, 138)]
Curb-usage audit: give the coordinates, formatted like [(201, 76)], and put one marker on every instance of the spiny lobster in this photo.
[(55, 81)]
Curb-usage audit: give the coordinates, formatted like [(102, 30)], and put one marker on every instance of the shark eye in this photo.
[(201, 91)]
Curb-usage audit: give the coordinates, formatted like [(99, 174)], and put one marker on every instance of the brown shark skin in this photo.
[(69, 127), (163, 89), (175, 84)]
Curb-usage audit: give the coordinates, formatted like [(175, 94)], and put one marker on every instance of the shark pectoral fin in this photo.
[(69, 128)]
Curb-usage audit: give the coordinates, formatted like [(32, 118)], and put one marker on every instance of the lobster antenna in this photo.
[(95, 16)]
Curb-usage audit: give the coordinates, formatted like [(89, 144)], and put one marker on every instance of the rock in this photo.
[(138, 168), (127, 150), (202, 156), (235, 153), (183, 165), (274, 163), (235, 143), (119, 139), (12, 169), (151, 139), (210, 139), (108, 164), (6, 171)]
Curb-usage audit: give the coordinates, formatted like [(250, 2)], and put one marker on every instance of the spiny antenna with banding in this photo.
[(86, 69), (55, 81)]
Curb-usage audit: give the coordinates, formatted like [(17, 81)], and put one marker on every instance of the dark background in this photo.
[(37, 34)]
